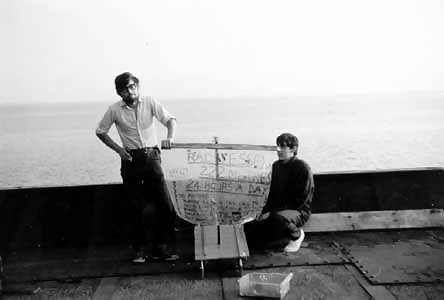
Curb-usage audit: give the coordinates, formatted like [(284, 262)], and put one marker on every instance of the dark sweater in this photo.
[(292, 187)]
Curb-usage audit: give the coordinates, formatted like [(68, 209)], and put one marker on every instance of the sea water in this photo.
[(54, 144)]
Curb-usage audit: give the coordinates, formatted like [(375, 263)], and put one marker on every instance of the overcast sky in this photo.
[(72, 50)]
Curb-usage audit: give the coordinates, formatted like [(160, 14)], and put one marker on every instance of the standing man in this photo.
[(141, 171), (289, 200)]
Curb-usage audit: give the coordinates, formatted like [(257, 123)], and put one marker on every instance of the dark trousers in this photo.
[(150, 204), (280, 226)]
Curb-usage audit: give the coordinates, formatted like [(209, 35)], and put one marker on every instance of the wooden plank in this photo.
[(170, 286), (106, 288), (242, 241), (383, 171), (199, 249), (232, 242), (223, 146), (367, 220)]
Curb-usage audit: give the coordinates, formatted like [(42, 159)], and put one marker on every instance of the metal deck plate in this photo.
[(315, 250), (417, 291), (413, 256)]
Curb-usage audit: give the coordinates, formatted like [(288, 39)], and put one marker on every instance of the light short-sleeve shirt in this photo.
[(135, 126)]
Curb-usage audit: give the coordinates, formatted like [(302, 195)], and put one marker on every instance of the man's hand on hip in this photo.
[(124, 154)]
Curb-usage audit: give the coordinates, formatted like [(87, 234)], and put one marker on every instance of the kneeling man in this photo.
[(288, 204)]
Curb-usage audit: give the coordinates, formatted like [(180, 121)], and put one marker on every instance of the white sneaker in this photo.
[(294, 246), (139, 258)]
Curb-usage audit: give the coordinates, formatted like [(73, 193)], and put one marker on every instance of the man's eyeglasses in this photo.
[(131, 86)]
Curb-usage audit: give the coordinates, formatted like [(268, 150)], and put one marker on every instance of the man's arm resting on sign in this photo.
[(107, 140), (171, 126)]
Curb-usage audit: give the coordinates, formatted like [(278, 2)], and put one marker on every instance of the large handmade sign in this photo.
[(218, 186)]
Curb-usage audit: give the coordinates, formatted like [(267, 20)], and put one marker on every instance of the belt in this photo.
[(143, 150)]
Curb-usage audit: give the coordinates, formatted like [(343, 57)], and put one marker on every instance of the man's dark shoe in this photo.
[(161, 253), (166, 257)]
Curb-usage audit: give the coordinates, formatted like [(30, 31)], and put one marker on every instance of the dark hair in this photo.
[(122, 80), (287, 139)]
